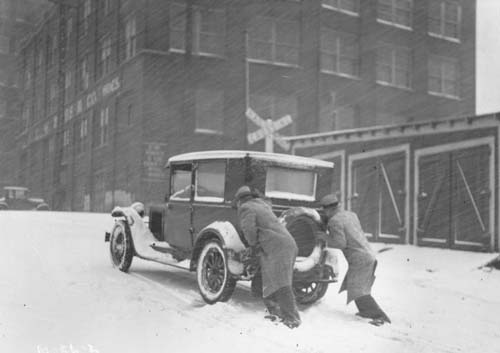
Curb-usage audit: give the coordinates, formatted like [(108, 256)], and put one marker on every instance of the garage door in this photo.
[(378, 195), (454, 198)]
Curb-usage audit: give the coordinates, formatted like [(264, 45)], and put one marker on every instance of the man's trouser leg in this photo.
[(369, 308), (272, 305), (288, 306)]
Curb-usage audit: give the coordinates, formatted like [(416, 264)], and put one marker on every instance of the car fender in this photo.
[(3, 205), (231, 243)]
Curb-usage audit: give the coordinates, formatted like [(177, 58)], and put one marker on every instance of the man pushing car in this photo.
[(276, 250)]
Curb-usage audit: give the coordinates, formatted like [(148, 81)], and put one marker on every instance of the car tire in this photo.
[(121, 248), (309, 293), (214, 280), (3, 206)]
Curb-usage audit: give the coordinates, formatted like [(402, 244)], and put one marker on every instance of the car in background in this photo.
[(17, 198)]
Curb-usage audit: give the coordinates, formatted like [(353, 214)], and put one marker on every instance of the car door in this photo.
[(178, 221)]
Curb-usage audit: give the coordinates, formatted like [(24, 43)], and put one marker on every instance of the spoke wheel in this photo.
[(120, 247), (214, 281), (307, 293)]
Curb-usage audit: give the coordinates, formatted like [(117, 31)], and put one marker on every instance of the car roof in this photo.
[(15, 188), (234, 154)]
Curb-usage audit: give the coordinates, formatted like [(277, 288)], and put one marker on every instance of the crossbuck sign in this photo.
[(268, 130)]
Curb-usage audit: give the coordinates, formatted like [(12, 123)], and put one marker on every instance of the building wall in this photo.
[(17, 20), (164, 98)]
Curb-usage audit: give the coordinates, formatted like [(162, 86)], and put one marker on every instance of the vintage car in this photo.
[(197, 227), (16, 198)]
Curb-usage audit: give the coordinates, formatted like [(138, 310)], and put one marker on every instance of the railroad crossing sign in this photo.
[(268, 130)]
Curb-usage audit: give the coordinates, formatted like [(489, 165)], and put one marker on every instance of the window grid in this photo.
[(275, 41), (395, 12), (130, 38), (177, 27), (445, 19), (443, 76), (208, 32), (394, 66), (339, 53), (103, 125)]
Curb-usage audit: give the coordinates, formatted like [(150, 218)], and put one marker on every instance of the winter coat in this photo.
[(278, 250), (346, 234)]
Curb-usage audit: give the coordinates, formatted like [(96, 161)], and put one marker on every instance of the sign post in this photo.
[(268, 130)]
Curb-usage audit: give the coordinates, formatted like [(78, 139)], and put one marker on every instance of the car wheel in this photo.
[(3, 206), (214, 281), (308, 293), (120, 247), (42, 207)]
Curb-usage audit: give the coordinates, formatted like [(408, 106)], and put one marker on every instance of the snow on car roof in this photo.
[(15, 188), (273, 157)]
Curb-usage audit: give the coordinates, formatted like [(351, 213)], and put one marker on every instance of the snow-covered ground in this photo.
[(59, 293)]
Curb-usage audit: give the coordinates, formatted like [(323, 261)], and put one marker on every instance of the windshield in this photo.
[(292, 184)]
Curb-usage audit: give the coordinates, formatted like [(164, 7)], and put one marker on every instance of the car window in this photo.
[(289, 183), (210, 180), (180, 188)]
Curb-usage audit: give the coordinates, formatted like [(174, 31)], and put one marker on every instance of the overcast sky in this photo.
[(488, 56)]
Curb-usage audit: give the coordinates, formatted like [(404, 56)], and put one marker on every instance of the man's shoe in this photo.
[(291, 323)]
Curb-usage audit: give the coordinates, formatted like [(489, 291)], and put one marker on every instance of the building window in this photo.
[(69, 30), (130, 37), (445, 19), (66, 141), (209, 111), (177, 26), (4, 44), (52, 98), (394, 66), (274, 108), (103, 126), (334, 116), (106, 7), (27, 78), (274, 40), (395, 12), (3, 108), (339, 52), (87, 9), (348, 6), (67, 79), (208, 30), (81, 133), (38, 59), (4, 77), (84, 74), (104, 63), (51, 50), (443, 76)]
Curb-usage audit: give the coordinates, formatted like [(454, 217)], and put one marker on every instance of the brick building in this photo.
[(112, 88), (17, 19)]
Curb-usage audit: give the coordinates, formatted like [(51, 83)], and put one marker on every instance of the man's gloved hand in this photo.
[(321, 237), (250, 256)]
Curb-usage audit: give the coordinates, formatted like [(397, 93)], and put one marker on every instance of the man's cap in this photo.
[(329, 201), (243, 191)]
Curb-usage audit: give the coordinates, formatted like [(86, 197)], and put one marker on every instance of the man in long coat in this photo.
[(345, 233), (276, 250)]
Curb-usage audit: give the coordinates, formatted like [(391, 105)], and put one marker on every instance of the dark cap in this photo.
[(329, 200), (242, 192)]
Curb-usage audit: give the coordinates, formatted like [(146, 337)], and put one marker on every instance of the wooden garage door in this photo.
[(378, 196), (454, 199)]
